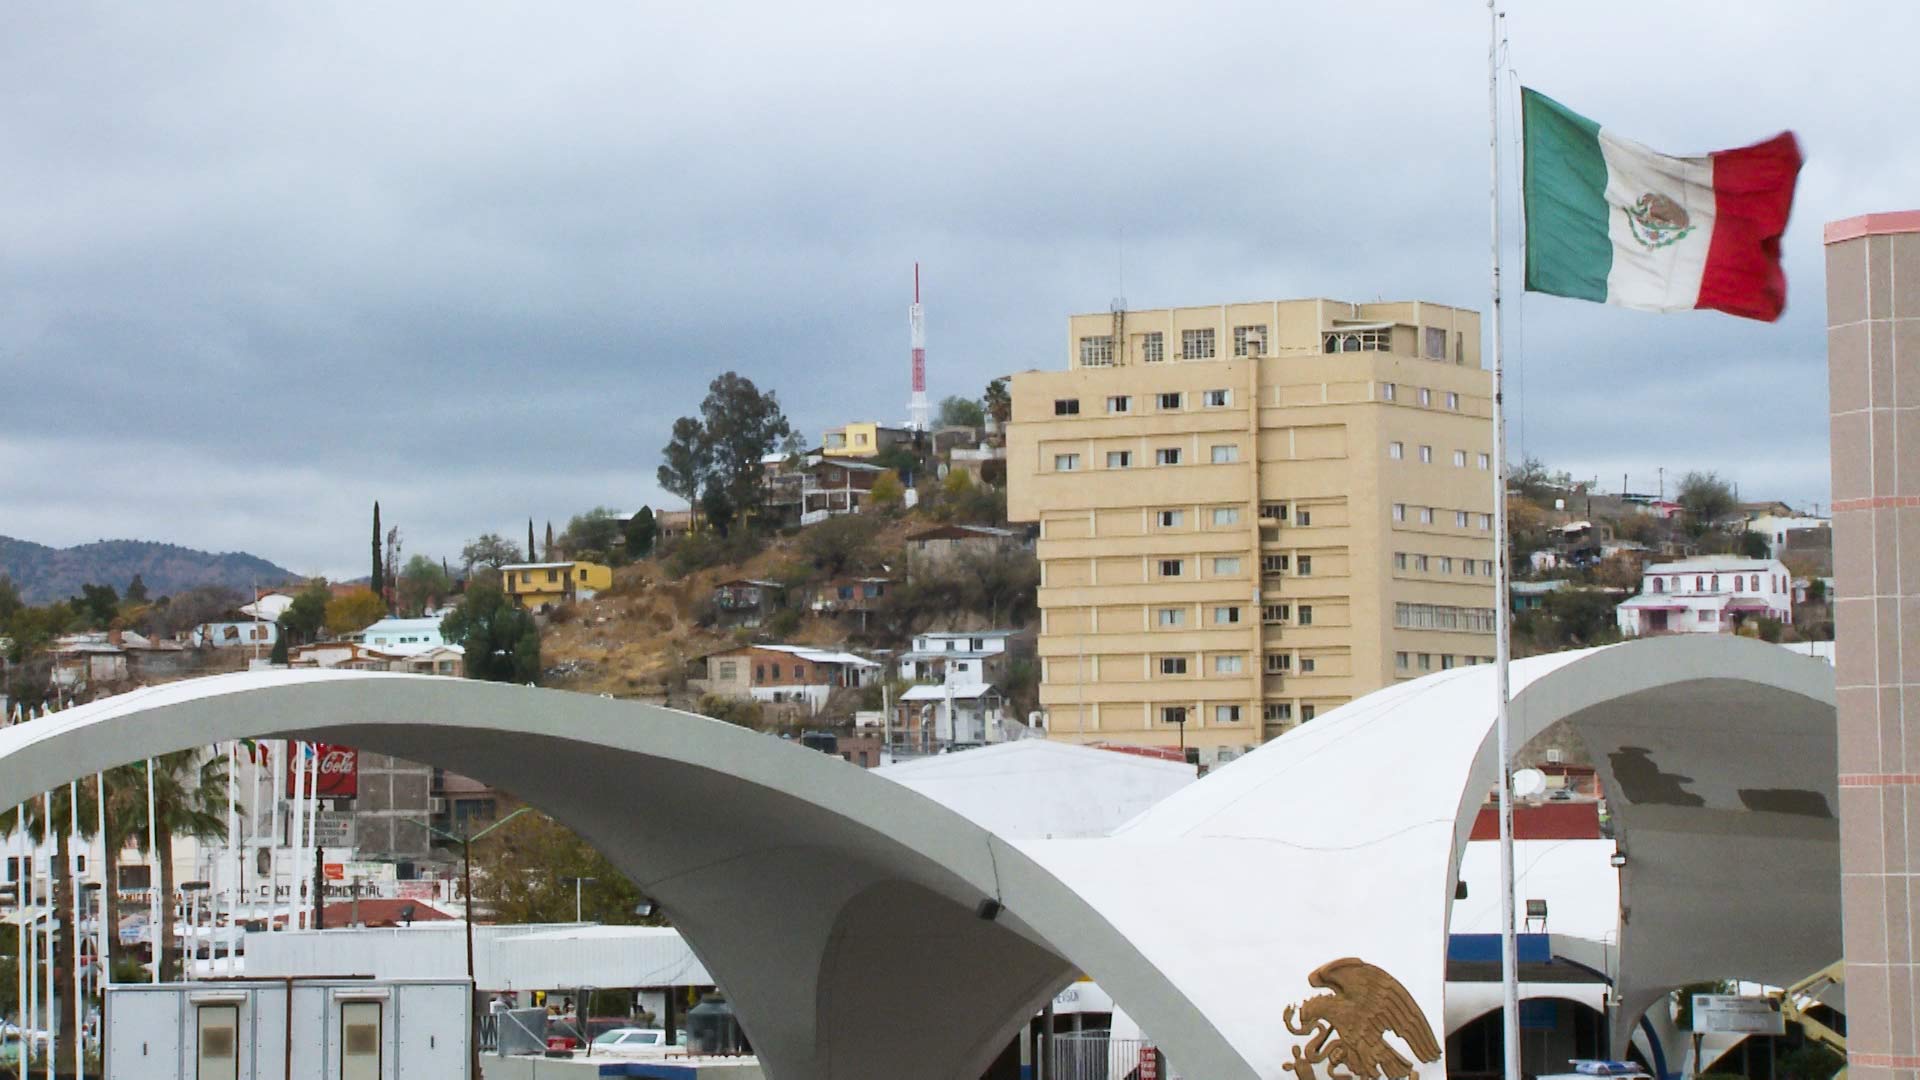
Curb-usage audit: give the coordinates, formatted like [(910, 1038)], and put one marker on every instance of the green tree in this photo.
[(642, 532), (1706, 498), (533, 553), (490, 550), (742, 425), (956, 411), (888, 492), (136, 590), (305, 617), (841, 543), (53, 818), (596, 531), (528, 869), (354, 611), (190, 800), (686, 461), (99, 604), (502, 641), (378, 583), (1753, 545), (999, 402), (422, 582)]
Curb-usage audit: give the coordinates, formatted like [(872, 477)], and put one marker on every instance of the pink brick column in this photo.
[(1873, 361)]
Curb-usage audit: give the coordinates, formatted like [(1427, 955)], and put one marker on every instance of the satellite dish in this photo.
[(1528, 783)]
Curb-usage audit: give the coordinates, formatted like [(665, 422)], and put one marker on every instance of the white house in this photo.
[(956, 703), (1776, 527), (401, 637), (235, 634), (1708, 595), (958, 657)]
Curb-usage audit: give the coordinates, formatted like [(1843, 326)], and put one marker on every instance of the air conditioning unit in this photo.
[(1553, 755), (436, 806)]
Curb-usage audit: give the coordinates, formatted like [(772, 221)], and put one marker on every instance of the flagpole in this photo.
[(154, 879), (1502, 617)]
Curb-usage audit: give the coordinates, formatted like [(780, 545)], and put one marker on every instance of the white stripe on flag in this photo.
[(1660, 277)]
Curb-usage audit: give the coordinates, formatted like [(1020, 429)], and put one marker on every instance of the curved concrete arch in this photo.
[(820, 895), (1343, 837), (823, 896)]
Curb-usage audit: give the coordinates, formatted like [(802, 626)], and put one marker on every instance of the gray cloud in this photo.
[(265, 265)]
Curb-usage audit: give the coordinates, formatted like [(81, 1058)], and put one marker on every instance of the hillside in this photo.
[(44, 574)]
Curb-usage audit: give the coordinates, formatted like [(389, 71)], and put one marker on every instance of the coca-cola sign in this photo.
[(339, 771)]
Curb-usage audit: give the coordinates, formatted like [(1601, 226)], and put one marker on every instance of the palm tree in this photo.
[(189, 799), (34, 818), (126, 815)]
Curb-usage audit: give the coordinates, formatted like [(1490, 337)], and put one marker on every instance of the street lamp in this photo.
[(466, 886), (577, 882)]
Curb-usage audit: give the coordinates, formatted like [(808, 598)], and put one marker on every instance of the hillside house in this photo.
[(671, 524), (1780, 530), (402, 637), (745, 601), (345, 655), (848, 595), (836, 487), (862, 439), (929, 548), (545, 585), (965, 656), (235, 631), (1708, 595), (786, 674), (935, 719)]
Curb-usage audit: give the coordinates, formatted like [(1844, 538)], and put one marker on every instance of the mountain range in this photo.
[(44, 574)]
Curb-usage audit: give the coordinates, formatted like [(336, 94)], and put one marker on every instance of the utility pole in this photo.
[(319, 887)]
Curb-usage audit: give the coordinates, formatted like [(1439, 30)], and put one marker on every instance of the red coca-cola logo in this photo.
[(339, 762), (339, 772)]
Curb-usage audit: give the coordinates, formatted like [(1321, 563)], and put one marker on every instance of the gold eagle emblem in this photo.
[(1347, 1028)]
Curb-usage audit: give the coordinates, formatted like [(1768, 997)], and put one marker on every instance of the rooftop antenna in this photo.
[(917, 336)]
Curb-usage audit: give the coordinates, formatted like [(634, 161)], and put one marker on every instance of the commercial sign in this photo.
[(339, 772), (1731, 1014)]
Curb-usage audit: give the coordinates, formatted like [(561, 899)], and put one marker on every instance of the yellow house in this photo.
[(539, 586), (862, 439)]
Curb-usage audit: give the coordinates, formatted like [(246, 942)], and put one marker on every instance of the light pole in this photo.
[(466, 887), (577, 882)]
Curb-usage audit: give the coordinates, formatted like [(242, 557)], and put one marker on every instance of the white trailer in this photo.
[(289, 1029)]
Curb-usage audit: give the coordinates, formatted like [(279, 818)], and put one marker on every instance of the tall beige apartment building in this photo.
[(1251, 513)]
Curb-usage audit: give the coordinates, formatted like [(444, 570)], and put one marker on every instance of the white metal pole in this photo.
[(1509, 944), (105, 978), (313, 827), (232, 875), (79, 984), (53, 911), (30, 956), (153, 876)]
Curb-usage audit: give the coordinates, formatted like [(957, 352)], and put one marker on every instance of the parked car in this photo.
[(632, 1042)]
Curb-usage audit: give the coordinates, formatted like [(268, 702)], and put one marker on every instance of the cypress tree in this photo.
[(533, 554), (549, 539), (379, 583)]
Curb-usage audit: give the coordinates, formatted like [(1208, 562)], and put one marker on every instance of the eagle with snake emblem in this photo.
[(1347, 1029)]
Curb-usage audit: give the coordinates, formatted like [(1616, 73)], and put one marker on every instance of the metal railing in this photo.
[(1092, 1055)]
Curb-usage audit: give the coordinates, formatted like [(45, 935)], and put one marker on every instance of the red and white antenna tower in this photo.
[(917, 334)]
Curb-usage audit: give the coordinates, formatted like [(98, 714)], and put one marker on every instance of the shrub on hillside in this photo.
[(841, 543), (706, 549)]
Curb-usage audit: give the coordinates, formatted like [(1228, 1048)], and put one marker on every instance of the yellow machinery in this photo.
[(1808, 991)]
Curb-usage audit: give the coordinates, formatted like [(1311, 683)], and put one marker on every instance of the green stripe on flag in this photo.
[(1568, 252)]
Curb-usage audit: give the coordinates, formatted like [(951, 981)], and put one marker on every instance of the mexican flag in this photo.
[(1612, 221)]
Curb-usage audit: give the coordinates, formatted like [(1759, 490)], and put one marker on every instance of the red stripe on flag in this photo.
[(1753, 194)]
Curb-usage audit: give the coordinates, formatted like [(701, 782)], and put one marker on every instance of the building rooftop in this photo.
[(1711, 564)]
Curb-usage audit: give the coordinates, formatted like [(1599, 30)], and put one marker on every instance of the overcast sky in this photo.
[(261, 265)]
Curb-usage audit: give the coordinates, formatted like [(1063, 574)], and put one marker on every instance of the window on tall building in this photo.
[(1420, 563), (1453, 401), (1066, 407), (1306, 713), (1167, 455), (1171, 567), (1229, 665), (1153, 347), (1274, 564), (1426, 661), (1120, 403), (1483, 461), (1396, 450), (1446, 564), (1226, 566), (1274, 613), (1306, 615), (1304, 518), (1216, 399), (1277, 711), (1306, 665), (1226, 615), (1226, 714), (1226, 454), (1436, 342), (1426, 396), (1426, 515), (1399, 511), (1173, 714), (1119, 459), (1469, 566), (1250, 340), (1173, 665), (1196, 344), (1170, 616), (1168, 402), (1372, 339), (1400, 661), (1485, 522), (1096, 351), (1399, 560), (1459, 459), (1426, 455), (1171, 519), (1274, 511), (1387, 392), (1305, 566), (1459, 519), (1226, 515), (1442, 617), (1279, 663), (1066, 462)]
